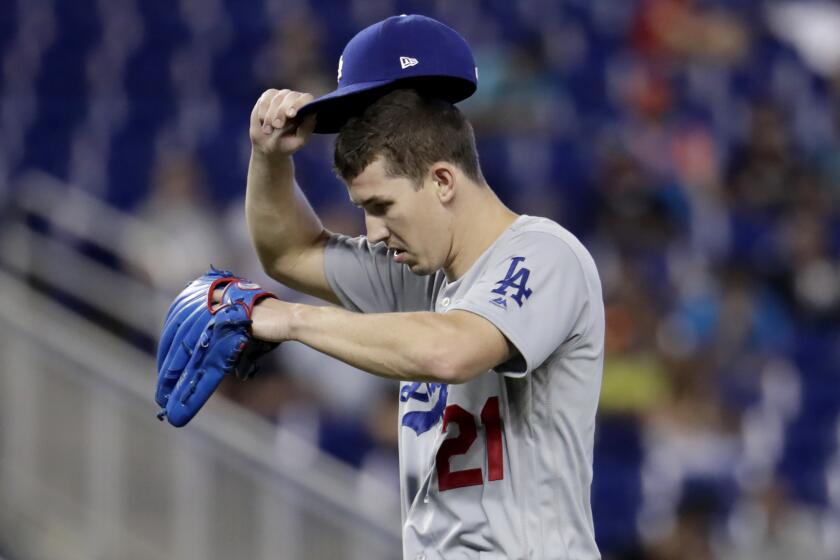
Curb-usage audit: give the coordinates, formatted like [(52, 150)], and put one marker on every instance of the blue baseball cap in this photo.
[(410, 51)]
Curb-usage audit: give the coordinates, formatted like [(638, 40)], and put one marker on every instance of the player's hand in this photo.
[(275, 129), (268, 318)]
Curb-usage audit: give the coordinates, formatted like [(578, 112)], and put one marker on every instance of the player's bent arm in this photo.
[(288, 236), (452, 347), (286, 233)]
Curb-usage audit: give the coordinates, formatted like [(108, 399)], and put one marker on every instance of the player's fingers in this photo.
[(296, 103), (261, 105), (278, 112), (216, 298), (264, 108)]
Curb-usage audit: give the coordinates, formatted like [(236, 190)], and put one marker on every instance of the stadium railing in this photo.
[(86, 470)]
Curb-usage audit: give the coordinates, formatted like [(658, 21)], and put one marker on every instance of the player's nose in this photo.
[(376, 229)]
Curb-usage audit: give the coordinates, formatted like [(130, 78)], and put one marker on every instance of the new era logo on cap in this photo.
[(406, 61)]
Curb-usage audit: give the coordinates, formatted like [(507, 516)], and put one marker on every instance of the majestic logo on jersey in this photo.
[(516, 280), (422, 420)]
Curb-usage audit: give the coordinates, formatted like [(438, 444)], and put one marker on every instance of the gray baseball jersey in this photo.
[(500, 466)]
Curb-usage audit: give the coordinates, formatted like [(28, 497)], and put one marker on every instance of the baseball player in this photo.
[(492, 322)]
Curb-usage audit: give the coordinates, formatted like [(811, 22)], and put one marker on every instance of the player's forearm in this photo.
[(280, 219), (404, 346)]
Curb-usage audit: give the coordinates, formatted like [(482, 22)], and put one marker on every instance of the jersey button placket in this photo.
[(445, 302)]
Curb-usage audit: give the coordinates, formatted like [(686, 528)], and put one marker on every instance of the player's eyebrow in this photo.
[(371, 201)]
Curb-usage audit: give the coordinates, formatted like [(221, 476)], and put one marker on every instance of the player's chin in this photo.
[(419, 268)]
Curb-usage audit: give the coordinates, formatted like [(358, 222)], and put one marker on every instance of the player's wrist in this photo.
[(271, 320), (272, 159), (295, 319)]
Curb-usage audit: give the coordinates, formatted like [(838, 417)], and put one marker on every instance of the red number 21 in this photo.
[(492, 421)]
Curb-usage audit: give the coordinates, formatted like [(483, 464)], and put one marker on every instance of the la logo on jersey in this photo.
[(429, 399), (406, 61), (516, 280)]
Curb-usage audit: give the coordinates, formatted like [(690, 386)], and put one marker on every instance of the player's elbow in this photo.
[(446, 364), (279, 267), (458, 352), (285, 267)]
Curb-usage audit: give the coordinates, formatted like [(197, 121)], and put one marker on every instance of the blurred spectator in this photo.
[(828, 155), (691, 537), (293, 57), (684, 29), (521, 97), (768, 525), (762, 169), (635, 378), (179, 207), (691, 438), (270, 394)]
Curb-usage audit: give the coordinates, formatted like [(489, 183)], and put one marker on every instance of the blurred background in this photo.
[(693, 145)]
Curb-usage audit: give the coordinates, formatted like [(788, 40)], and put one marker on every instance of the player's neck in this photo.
[(480, 225)]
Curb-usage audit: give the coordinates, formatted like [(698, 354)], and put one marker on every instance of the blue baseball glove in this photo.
[(202, 342)]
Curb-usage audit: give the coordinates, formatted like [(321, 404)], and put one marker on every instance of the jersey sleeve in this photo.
[(534, 290), (365, 277)]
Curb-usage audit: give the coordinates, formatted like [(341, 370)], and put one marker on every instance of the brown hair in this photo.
[(411, 132)]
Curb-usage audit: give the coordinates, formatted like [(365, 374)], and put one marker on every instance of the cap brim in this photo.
[(334, 109)]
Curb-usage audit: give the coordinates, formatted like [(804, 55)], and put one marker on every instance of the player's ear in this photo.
[(443, 181)]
